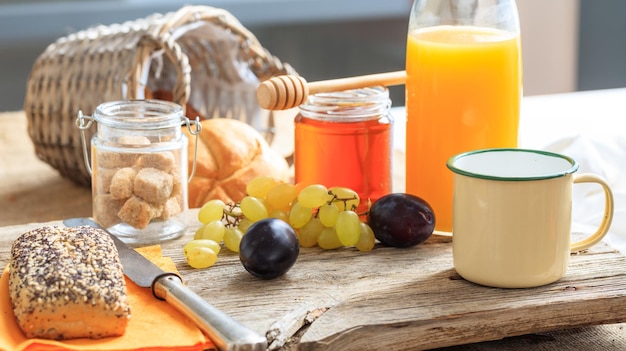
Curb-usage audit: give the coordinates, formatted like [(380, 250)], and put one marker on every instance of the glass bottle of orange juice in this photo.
[(463, 90)]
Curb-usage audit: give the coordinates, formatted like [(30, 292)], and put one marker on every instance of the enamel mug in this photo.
[(512, 215)]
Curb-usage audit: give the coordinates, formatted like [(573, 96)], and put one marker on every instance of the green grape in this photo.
[(299, 215), (201, 253), (253, 208), (313, 196), (310, 232), (232, 238), (244, 224), (213, 245), (346, 199), (199, 231), (280, 214), (259, 186), (213, 210), (328, 215), (281, 196), (328, 239), (213, 230), (347, 228), (366, 238)]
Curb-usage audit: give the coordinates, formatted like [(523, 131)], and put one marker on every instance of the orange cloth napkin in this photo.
[(154, 324)]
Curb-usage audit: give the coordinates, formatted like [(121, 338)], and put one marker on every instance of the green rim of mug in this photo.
[(451, 161)]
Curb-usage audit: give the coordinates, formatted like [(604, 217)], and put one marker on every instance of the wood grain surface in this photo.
[(396, 299)]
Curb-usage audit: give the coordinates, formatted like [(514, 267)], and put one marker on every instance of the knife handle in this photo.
[(223, 330)]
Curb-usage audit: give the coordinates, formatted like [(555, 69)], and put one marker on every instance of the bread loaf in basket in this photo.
[(201, 56)]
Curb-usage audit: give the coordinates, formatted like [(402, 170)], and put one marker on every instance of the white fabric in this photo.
[(587, 126), (591, 128)]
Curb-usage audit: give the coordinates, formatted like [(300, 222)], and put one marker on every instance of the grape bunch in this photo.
[(320, 216), (220, 223)]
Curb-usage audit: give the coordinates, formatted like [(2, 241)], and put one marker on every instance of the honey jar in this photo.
[(139, 169), (345, 139)]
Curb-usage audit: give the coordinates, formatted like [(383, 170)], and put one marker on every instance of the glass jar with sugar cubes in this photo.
[(139, 168)]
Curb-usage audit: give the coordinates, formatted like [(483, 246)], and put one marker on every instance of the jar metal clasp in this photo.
[(195, 132), (84, 123)]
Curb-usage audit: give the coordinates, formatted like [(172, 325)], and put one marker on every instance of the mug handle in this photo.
[(606, 219)]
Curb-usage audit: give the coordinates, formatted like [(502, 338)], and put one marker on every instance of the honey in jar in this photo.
[(345, 139)]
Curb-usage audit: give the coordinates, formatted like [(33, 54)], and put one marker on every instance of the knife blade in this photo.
[(227, 333)]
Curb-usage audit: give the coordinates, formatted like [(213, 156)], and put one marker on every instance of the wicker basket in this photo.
[(201, 57)]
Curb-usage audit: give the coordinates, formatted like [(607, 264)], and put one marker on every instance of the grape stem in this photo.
[(344, 199), (232, 214)]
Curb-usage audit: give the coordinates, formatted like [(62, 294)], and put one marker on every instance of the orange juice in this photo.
[(463, 93)]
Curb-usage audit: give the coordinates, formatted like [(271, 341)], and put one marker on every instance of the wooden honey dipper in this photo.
[(287, 91)]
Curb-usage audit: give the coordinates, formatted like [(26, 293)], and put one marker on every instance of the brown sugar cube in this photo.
[(153, 185), (163, 161), (138, 213), (106, 209), (137, 140), (171, 208), (104, 177), (177, 187), (122, 183), (115, 159)]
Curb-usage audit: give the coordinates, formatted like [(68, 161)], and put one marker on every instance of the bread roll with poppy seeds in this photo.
[(67, 283)]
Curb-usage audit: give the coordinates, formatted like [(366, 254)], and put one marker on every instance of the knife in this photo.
[(223, 330)]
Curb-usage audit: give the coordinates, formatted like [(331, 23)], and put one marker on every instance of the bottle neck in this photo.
[(348, 106), (498, 14)]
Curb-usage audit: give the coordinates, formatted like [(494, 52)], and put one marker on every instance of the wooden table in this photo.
[(31, 190), (31, 193)]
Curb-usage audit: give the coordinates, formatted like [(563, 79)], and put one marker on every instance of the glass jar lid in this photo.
[(139, 114), (349, 105)]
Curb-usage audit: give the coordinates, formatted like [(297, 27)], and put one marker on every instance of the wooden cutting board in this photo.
[(396, 299)]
